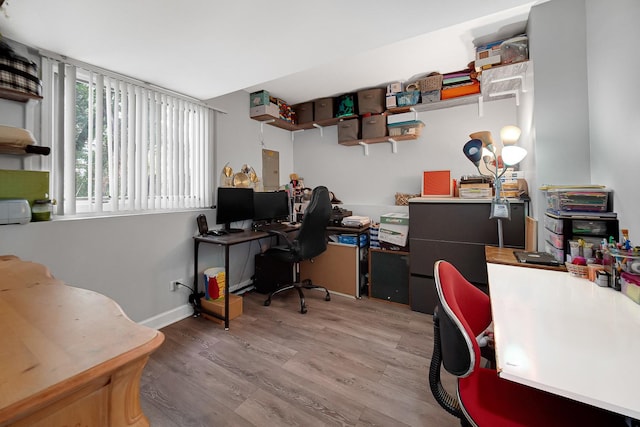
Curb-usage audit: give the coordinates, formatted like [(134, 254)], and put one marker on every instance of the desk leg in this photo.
[(194, 295), (226, 287)]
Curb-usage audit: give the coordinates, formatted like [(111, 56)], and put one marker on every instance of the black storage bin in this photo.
[(347, 105)]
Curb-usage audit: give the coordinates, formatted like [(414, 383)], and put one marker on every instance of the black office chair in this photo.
[(310, 242)]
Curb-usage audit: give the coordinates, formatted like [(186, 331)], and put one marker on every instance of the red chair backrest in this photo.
[(465, 312)]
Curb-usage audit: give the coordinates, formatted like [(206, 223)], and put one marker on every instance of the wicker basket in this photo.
[(402, 199), (429, 83), (581, 271)]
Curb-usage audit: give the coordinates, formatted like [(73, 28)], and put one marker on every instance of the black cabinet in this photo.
[(456, 231), (389, 275)]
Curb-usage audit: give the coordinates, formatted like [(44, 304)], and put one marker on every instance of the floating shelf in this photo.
[(283, 124), (15, 95)]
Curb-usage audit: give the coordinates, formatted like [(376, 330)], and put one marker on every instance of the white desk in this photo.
[(567, 336)]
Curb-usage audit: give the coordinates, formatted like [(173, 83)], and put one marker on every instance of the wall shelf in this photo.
[(15, 95), (383, 139)]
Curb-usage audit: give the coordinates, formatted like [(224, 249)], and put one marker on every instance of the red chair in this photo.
[(483, 398)]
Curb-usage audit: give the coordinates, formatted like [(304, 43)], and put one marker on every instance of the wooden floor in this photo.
[(346, 362)]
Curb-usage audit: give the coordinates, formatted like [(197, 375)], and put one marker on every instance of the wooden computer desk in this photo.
[(68, 356), (566, 336)]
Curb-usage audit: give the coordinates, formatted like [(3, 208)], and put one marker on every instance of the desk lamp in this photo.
[(481, 147)]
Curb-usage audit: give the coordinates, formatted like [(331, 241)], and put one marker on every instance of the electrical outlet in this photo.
[(173, 285)]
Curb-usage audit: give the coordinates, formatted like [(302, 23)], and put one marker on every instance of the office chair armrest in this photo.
[(283, 235)]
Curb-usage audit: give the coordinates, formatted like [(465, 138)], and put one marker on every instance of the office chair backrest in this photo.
[(312, 239), (465, 313)]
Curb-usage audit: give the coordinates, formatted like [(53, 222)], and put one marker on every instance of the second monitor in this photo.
[(271, 206)]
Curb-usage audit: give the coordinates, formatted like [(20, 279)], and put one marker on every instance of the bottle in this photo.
[(41, 210)]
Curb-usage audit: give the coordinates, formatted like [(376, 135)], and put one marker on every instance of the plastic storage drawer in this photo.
[(553, 224), (558, 254)]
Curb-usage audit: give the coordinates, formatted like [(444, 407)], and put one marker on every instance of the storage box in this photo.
[(577, 200), (454, 92), (349, 130), (553, 224), (406, 128), (405, 99), (351, 239), (259, 98), (430, 83), (630, 286), (217, 307), (391, 101), (347, 105), (374, 126), (488, 54), (393, 88), (323, 109), (558, 254), (371, 101), (431, 96), (270, 109), (23, 184), (304, 112), (394, 228), (401, 118)]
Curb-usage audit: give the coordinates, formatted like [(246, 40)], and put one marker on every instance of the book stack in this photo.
[(475, 187), (459, 83)]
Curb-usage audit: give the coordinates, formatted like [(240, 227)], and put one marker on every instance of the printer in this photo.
[(14, 211)]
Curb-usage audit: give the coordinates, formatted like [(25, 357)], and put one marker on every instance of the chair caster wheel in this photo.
[(327, 298), (267, 303), (303, 310)]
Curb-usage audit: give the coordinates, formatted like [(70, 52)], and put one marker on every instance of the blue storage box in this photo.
[(350, 239), (405, 99)]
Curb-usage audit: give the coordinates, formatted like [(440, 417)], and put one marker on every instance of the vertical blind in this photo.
[(119, 145)]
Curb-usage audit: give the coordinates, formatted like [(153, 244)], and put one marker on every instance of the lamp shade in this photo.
[(510, 134), (512, 154), (473, 150), (485, 137)]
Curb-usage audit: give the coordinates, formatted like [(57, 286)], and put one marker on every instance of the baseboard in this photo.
[(168, 317)]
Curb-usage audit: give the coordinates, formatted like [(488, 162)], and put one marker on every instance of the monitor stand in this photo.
[(228, 229)]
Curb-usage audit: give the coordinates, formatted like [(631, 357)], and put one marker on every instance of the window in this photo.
[(122, 145)]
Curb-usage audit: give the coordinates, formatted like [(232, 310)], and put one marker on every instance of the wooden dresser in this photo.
[(68, 356)]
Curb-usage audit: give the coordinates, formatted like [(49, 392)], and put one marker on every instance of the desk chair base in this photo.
[(306, 284)]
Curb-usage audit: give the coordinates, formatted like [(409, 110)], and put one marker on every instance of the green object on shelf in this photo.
[(21, 184)]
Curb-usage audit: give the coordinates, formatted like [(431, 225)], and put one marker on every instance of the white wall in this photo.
[(368, 184), (614, 110), (585, 115)]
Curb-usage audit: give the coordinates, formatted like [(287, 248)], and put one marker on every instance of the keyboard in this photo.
[(274, 226)]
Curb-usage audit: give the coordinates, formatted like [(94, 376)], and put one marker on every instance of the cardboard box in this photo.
[(217, 306), (259, 98), (265, 110), (391, 101), (394, 228)]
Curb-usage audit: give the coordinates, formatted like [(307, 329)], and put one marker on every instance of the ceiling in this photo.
[(296, 50)]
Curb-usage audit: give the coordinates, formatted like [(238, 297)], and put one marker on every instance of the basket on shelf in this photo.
[(581, 271), (402, 199)]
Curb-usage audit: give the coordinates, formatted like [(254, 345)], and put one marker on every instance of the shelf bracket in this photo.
[(394, 145), (415, 114), (515, 92), (293, 134), (317, 126), (366, 147), (266, 122)]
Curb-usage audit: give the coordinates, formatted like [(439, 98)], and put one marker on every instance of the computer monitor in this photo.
[(232, 205), (270, 206)]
